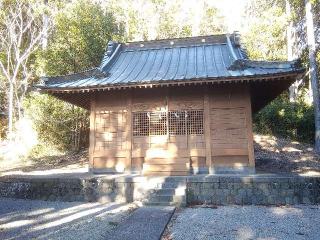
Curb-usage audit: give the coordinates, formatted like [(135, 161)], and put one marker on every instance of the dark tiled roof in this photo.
[(210, 57)]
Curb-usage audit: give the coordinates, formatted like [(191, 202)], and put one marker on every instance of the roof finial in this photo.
[(233, 54), (236, 38), (110, 48)]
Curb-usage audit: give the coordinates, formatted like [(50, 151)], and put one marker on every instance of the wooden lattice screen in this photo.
[(110, 130), (141, 124), (174, 122), (195, 122), (177, 122)]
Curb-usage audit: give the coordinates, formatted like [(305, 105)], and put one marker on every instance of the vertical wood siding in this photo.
[(226, 140)]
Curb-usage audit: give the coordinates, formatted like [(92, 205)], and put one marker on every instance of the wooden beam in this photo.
[(207, 130)]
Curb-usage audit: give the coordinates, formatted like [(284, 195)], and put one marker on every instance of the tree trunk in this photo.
[(313, 72), (44, 42), (10, 110), (293, 90)]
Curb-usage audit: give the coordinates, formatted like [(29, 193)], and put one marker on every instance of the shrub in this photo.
[(286, 119), (59, 124)]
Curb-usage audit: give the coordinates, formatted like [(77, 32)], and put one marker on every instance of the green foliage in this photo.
[(286, 119), (79, 38), (265, 37), (57, 122), (77, 42), (160, 19)]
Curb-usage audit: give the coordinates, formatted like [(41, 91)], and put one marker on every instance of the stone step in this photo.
[(156, 186), (171, 185), (154, 203), (165, 191), (165, 173), (167, 198), (170, 191), (171, 167)]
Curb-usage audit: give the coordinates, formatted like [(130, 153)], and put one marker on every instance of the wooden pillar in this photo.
[(207, 129), (92, 139), (129, 131), (249, 129)]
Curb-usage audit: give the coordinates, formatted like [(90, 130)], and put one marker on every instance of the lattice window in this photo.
[(158, 123), (114, 140), (141, 124), (178, 123), (149, 123), (195, 122)]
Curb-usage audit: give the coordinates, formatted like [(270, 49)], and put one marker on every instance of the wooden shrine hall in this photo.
[(175, 106)]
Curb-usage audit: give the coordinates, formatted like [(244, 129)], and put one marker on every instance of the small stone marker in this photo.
[(147, 223)]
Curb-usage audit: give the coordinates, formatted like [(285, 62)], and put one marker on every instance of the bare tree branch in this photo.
[(21, 32)]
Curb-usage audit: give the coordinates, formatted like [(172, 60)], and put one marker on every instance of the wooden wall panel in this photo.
[(148, 100), (189, 98), (137, 163), (110, 162), (111, 100), (111, 134), (230, 126), (227, 136), (198, 162), (230, 161)]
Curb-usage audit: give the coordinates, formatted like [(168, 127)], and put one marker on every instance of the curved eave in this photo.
[(151, 84)]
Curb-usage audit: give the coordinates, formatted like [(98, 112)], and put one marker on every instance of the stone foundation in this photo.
[(257, 190), (210, 189)]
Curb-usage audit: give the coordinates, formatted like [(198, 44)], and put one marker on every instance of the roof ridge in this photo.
[(179, 38), (186, 41), (170, 47)]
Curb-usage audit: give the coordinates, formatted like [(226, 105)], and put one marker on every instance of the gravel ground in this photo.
[(26, 219), (246, 222)]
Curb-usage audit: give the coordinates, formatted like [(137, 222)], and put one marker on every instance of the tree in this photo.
[(264, 31), (79, 37), (77, 42), (266, 38), (159, 19), (293, 90), (313, 71), (21, 30)]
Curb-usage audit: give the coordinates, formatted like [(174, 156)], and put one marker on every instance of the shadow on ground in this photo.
[(24, 219)]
